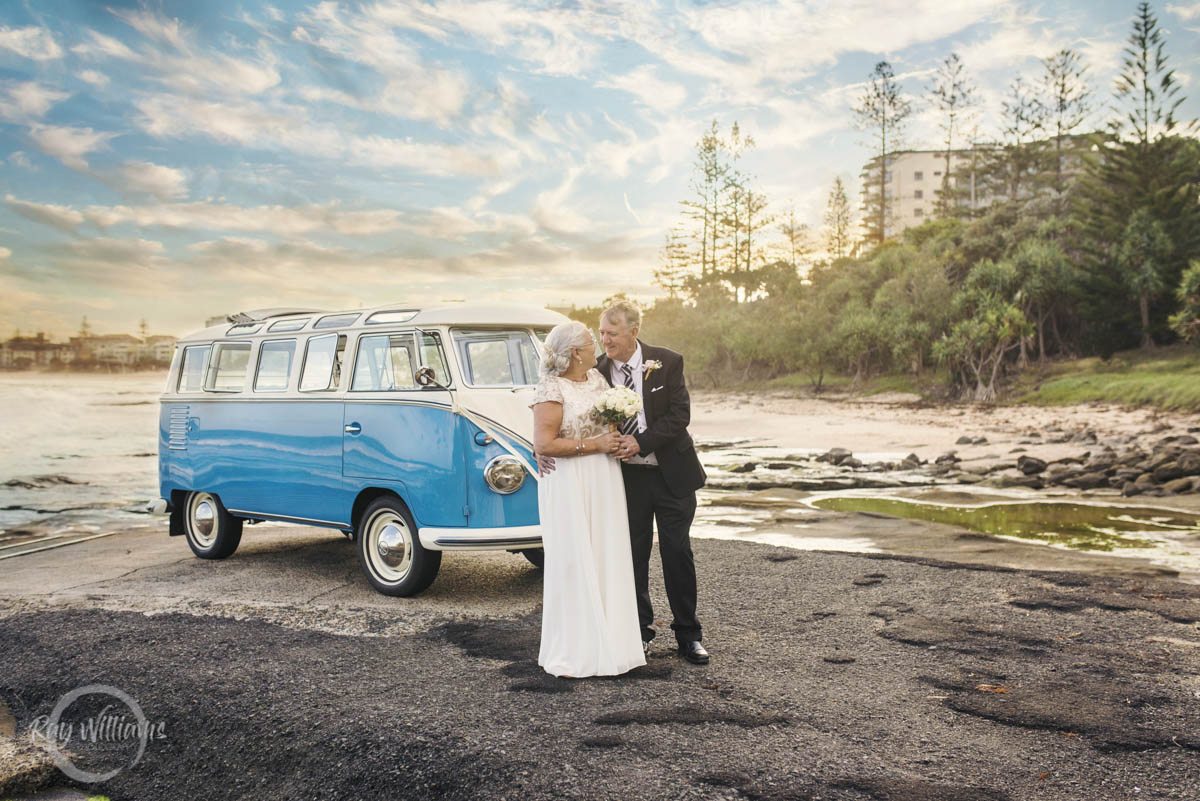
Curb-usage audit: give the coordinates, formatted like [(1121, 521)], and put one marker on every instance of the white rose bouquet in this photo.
[(617, 405)]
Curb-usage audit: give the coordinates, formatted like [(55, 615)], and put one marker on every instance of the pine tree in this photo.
[(1067, 101), (883, 110), (795, 243), (954, 96), (838, 221), (1147, 165), (1023, 121), (676, 260)]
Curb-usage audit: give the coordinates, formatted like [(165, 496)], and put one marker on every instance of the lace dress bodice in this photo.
[(577, 399)]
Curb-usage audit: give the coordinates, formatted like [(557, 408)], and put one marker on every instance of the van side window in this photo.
[(489, 362), (433, 356), (191, 370), (274, 366), (497, 358), (227, 368), (385, 362), (336, 320), (323, 363)]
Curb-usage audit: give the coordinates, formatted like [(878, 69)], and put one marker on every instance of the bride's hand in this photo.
[(607, 442)]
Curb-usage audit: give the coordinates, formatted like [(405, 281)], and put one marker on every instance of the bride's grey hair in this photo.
[(561, 339)]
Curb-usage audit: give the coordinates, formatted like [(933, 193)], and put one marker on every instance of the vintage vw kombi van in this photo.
[(407, 429)]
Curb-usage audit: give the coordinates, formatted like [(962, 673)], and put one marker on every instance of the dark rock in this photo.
[(1030, 465), (852, 463), (949, 457), (779, 465), (835, 456), (1178, 439), (979, 441), (1178, 485), (1131, 488), (1131, 457), (964, 440), (1012, 480), (1087, 481), (1168, 472), (839, 660), (1189, 462), (748, 467)]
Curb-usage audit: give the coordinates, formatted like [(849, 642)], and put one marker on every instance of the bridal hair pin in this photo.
[(650, 366)]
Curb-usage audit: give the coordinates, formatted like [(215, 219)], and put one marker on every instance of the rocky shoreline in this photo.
[(1170, 465)]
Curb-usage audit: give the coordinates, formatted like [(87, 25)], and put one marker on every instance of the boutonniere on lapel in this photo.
[(649, 367)]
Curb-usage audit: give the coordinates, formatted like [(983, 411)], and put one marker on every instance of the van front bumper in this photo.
[(506, 538)]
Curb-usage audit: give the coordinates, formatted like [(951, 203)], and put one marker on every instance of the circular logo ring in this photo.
[(65, 764)]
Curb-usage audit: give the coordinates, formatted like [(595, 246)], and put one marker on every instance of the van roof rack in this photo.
[(258, 315)]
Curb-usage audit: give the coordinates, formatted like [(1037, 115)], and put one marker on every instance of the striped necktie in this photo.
[(630, 426)]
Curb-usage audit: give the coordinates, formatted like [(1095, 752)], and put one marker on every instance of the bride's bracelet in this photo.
[(579, 447)]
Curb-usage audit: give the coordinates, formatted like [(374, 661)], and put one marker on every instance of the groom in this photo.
[(661, 471)]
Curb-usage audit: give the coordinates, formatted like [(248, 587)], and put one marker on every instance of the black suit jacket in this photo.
[(668, 412)]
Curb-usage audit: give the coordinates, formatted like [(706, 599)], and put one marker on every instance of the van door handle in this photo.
[(353, 428)]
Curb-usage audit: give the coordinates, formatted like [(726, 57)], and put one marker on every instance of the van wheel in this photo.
[(211, 532), (536, 556), (391, 552)]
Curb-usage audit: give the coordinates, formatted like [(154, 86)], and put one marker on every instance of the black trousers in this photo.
[(648, 500)]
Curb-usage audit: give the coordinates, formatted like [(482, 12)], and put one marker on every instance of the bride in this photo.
[(589, 607)]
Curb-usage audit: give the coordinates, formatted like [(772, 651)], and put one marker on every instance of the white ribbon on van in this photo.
[(486, 428)]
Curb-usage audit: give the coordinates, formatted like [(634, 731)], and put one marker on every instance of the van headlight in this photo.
[(504, 475)]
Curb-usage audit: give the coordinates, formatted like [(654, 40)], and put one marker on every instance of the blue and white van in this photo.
[(408, 429)]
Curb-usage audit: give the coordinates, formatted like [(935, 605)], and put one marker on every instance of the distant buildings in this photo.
[(914, 183), (90, 352), (914, 180)]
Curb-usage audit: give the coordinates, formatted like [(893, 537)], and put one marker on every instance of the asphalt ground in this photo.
[(279, 674)]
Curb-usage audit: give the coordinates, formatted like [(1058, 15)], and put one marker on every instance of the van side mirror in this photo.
[(426, 377)]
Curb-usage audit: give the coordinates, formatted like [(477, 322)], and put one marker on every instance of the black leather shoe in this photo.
[(693, 652)]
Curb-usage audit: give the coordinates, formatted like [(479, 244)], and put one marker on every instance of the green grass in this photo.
[(1166, 377), (875, 385)]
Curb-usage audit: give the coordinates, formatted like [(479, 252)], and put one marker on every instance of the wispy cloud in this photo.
[(165, 183), (94, 77), (1185, 13), (64, 218), (67, 143), (28, 100), (644, 84), (31, 42), (172, 59)]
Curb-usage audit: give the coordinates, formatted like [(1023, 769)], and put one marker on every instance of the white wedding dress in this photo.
[(589, 608)]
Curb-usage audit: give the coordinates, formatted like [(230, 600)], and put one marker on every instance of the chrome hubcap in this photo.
[(389, 546), (204, 519)]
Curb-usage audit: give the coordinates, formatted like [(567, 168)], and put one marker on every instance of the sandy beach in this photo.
[(894, 423)]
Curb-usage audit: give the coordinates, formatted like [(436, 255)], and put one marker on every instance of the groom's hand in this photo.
[(545, 464), (627, 446)]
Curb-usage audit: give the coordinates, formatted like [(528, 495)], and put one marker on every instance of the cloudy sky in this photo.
[(174, 160)]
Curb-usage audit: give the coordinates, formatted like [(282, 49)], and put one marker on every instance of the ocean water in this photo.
[(78, 453)]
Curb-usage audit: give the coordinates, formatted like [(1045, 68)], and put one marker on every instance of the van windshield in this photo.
[(497, 358)]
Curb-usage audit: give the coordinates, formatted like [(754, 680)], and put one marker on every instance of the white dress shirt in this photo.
[(617, 373)]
